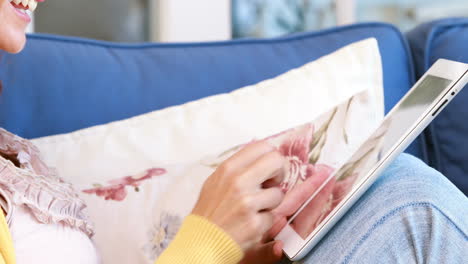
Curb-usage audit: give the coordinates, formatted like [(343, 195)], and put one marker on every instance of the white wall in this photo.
[(345, 11), (190, 20), (111, 20)]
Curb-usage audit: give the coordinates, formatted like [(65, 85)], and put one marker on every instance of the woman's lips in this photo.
[(21, 6), (21, 12)]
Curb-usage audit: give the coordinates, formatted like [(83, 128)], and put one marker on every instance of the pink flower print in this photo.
[(117, 189), (113, 192), (296, 149), (343, 187)]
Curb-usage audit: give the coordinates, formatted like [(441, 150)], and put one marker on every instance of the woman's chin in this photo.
[(15, 44)]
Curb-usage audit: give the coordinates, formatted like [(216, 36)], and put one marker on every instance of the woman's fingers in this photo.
[(233, 197), (245, 157), (279, 223), (269, 166), (295, 198), (265, 223), (267, 199), (314, 212)]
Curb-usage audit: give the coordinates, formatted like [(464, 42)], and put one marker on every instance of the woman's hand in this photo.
[(311, 214), (233, 197), (269, 251)]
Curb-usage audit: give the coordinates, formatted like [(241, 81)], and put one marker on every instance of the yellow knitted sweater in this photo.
[(198, 241)]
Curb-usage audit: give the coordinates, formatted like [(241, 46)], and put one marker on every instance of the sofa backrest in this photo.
[(446, 140), (61, 84)]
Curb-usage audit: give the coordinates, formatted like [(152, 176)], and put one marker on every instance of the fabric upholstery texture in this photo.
[(446, 142)]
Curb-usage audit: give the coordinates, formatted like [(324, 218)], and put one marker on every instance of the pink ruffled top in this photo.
[(26, 180)]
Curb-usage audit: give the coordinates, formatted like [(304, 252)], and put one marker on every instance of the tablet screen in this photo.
[(331, 192)]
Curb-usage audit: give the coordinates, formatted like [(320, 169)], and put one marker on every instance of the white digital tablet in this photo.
[(399, 128)]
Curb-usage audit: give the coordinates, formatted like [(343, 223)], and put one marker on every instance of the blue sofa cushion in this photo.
[(446, 137), (61, 84)]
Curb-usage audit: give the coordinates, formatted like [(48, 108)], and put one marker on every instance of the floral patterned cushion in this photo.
[(147, 209), (141, 176)]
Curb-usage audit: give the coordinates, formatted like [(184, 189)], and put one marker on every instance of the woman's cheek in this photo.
[(12, 29)]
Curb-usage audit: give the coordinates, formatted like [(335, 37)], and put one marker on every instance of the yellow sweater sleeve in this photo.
[(201, 242), (7, 253)]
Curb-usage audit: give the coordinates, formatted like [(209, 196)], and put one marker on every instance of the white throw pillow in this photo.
[(95, 157)]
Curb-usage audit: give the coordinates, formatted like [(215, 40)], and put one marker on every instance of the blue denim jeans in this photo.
[(412, 214)]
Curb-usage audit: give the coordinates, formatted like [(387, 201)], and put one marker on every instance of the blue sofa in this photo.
[(61, 84)]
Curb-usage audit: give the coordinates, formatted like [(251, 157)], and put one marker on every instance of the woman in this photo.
[(405, 217)]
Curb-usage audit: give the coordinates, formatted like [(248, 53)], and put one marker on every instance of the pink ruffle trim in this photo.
[(50, 199)]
